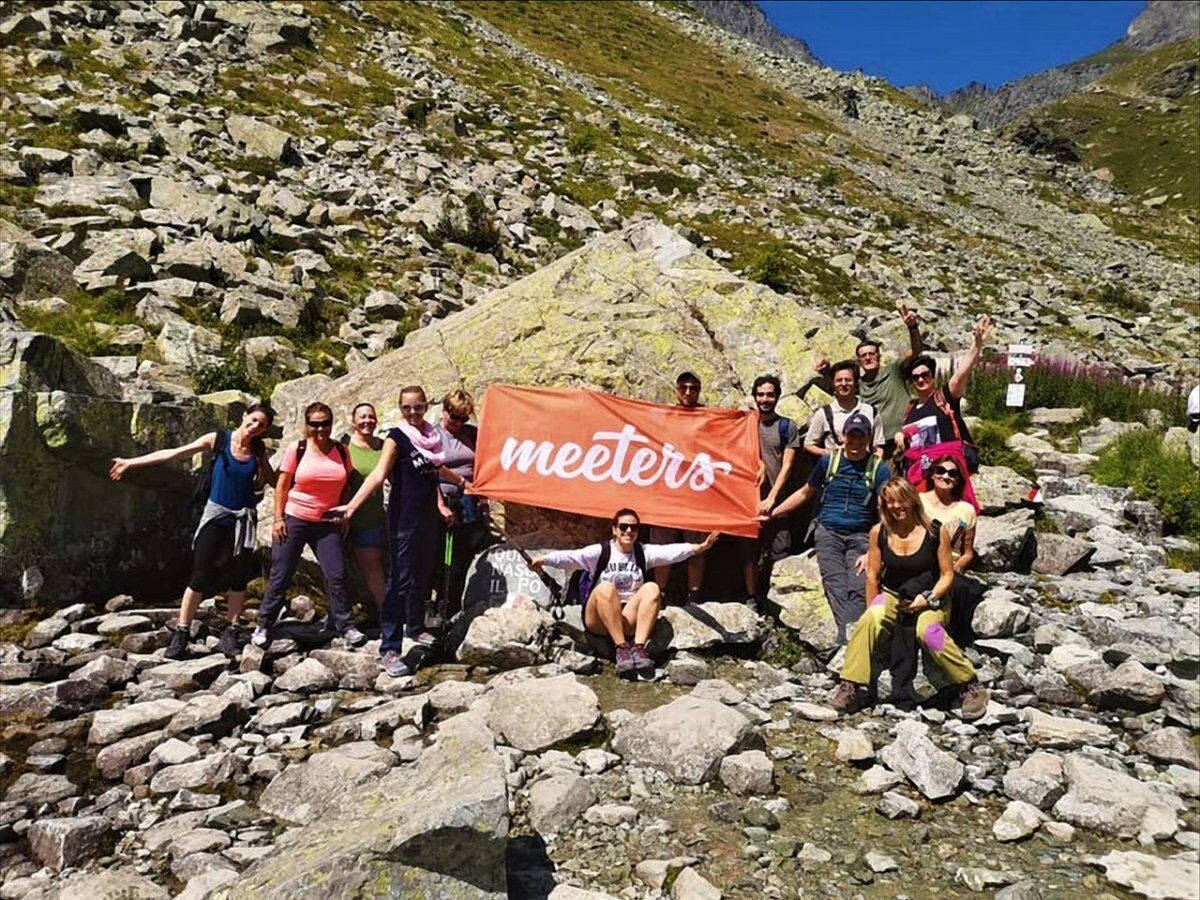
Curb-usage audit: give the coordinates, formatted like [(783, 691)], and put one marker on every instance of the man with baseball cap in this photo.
[(848, 481)]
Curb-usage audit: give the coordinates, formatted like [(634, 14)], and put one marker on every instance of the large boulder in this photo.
[(1110, 802), (436, 829), (686, 738), (62, 418), (537, 713), (935, 773), (507, 637), (1004, 543), (302, 791)]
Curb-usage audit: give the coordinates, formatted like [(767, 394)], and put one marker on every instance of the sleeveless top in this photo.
[(233, 481), (899, 569)]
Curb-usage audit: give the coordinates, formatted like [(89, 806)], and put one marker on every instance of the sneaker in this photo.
[(691, 598), (626, 662), (354, 637), (975, 699), (393, 665), (424, 638), (261, 637), (641, 659), (845, 697), (177, 649), (231, 640)]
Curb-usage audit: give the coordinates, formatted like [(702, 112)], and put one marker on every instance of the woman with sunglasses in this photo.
[(909, 576), (223, 543), (933, 423), (411, 459), (468, 532), (620, 603), (313, 476), (945, 504), (368, 531)]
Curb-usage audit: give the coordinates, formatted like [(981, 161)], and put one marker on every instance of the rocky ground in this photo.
[(524, 768)]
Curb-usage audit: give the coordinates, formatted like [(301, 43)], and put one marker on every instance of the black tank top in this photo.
[(898, 569)]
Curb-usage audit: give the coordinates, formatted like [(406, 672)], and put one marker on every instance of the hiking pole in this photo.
[(447, 578), (555, 589)]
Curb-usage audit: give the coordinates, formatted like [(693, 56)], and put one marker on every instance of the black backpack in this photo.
[(580, 585)]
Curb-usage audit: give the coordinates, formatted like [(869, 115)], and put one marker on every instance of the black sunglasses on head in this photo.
[(320, 423), (627, 526)]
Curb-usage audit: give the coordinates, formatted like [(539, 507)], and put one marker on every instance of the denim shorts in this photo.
[(366, 538)]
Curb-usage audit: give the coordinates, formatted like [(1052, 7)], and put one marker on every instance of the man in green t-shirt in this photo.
[(883, 386)]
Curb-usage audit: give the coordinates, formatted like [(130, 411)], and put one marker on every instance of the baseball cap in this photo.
[(857, 422)]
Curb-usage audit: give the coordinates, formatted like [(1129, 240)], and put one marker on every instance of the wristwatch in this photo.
[(933, 601)]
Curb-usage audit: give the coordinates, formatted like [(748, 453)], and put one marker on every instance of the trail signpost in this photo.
[(1020, 358)]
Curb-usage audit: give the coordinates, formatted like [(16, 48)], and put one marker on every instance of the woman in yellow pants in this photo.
[(904, 546)]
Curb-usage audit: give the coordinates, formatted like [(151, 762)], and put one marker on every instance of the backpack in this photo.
[(827, 409), (970, 453), (579, 588), (340, 446), (835, 463)]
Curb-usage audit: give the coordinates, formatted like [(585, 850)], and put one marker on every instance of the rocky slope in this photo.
[(1162, 22), (306, 184)]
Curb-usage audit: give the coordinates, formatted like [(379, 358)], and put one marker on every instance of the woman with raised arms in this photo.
[(619, 602)]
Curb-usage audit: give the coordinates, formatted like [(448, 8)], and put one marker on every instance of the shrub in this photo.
[(1100, 390), (776, 265), (584, 138), (472, 227), (828, 178), (990, 438), (1164, 476), (228, 375)]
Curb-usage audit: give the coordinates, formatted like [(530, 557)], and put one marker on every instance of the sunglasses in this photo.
[(626, 526), (946, 473), (320, 423), (415, 407), (921, 376), (688, 388), (455, 417)]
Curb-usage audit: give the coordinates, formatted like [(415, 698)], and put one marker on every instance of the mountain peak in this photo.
[(1163, 22), (746, 19)]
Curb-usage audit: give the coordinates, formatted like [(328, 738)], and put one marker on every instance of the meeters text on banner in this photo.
[(592, 453)]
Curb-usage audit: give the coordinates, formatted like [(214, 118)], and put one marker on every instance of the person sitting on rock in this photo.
[(945, 506), (619, 603), (313, 476), (906, 548), (412, 459), (847, 482), (933, 423), (223, 542)]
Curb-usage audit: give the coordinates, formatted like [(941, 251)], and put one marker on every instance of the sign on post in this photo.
[(1020, 358)]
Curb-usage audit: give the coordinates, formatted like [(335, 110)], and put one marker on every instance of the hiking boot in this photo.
[(845, 698), (354, 637), (975, 699), (261, 637), (626, 662), (393, 665), (177, 649), (230, 641), (641, 660)]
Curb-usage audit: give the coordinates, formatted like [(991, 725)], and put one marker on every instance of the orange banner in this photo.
[(592, 453)]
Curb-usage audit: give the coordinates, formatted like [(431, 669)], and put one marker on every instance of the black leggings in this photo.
[(215, 566)]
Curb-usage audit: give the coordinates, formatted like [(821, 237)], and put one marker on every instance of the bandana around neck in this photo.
[(427, 441)]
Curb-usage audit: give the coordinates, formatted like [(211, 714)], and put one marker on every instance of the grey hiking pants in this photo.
[(845, 590), (325, 539)]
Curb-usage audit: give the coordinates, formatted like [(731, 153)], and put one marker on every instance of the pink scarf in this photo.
[(427, 441), (920, 460)]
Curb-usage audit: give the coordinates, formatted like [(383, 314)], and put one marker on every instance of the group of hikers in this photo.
[(892, 524)]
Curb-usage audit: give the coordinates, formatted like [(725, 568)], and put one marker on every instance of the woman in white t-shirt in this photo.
[(621, 603)]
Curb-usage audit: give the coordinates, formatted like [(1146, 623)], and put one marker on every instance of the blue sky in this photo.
[(951, 43)]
